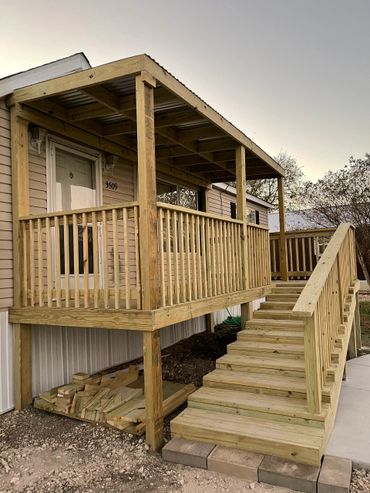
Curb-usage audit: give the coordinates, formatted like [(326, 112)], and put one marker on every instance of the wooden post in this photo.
[(352, 347), (312, 362), (20, 207), (282, 240), (153, 389), (147, 198), (147, 193), (210, 322), (357, 323), (241, 214)]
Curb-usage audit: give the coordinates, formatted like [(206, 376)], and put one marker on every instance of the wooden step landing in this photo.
[(292, 367), (266, 436), (268, 335), (285, 409)]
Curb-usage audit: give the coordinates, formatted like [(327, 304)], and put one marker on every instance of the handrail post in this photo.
[(282, 238), (241, 214), (312, 364)]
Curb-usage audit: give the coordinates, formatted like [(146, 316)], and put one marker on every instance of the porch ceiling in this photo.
[(191, 137)]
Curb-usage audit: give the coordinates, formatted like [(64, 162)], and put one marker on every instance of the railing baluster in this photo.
[(182, 256), (188, 259), (169, 258), (116, 273), (48, 263), (193, 258), (137, 257), (95, 248), (176, 256), (85, 261), (57, 262), (24, 264), (66, 260), (199, 259), (127, 258), (161, 257), (32, 262), (76, 263)]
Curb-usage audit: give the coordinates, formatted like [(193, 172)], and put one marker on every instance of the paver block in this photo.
[(235, 462), (335, 475), (281, 472), (186, 452)]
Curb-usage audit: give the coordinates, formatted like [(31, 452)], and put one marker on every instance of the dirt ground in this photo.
[(41, 452), (365, 321)]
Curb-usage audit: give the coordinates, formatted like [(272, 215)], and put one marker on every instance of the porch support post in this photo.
[(153, 389), (242, 215), (20, 207), (147, 198), (282, 240)]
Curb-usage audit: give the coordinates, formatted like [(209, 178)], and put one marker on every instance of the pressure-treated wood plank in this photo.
[(147, 194), (153, 389), (22, 365), (282, 238)]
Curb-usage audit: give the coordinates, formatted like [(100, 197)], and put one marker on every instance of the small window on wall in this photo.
[(232, 210), (177, 195), (252, 217), (257, 217)]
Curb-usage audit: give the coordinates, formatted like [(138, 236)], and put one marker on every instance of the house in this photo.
[(114, 246)]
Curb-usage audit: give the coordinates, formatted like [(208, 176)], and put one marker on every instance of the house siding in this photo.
[(6, 242), (219, 203)]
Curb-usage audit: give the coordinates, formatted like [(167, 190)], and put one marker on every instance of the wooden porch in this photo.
[(139, 265)]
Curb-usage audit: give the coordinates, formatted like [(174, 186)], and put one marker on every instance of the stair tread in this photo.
[(269, 332), (249, 427), (263, 361), (259, 380), (274, 404), (275, 347), (262, 380), (274, 322)]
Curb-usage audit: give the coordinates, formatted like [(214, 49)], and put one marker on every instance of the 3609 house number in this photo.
[(111, 185)]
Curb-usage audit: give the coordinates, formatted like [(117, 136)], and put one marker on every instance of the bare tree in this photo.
[(344, 196), (267, 189)]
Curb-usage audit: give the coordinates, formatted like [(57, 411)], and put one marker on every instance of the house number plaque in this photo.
[(111, 185)]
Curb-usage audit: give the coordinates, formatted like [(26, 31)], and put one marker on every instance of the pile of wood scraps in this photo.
[(116, 399)]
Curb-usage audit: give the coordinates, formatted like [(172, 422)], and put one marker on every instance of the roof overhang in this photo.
[(191, 137)]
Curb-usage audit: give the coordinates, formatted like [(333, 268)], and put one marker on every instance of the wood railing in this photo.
[(83, 258), (304, 249), (258, 248), (200, 255), (321, 305)]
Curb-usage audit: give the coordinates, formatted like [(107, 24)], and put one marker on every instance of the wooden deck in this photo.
[(276, 390)]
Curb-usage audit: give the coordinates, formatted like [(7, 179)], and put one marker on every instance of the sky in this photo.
[(294, 75)]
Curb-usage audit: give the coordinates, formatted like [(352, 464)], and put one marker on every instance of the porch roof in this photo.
[(191, 137)]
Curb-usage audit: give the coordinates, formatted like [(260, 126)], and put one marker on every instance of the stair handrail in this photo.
[(321, 307)]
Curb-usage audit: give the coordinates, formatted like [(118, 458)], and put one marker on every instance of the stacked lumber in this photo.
[(116, 399)]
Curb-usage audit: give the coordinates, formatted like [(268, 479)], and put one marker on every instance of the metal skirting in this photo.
[(59, 352), (6, 364)]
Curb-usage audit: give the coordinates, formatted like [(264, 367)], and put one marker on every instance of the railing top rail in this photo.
[(79, 211), (305, 232), (185, 210), (307, 301), (257, 226)]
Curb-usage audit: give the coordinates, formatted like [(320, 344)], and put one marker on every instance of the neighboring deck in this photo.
[(276, 390)]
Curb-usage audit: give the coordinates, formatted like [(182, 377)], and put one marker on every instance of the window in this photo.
[(177, 195), (232, 210)]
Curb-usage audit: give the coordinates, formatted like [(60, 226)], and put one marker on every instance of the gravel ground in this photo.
[(41, 453), (360, 481)]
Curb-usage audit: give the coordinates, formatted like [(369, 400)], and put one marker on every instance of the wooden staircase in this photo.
[(255, 399)]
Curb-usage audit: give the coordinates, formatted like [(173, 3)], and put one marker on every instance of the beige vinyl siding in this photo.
[(6, 243), (219, 203)]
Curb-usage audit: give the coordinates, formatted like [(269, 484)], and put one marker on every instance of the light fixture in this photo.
[(110, 163), (37, 137)]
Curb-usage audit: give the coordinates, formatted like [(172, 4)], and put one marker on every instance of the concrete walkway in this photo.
[(351, 434)]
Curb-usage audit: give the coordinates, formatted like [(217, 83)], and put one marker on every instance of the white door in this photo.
[(75, 176)]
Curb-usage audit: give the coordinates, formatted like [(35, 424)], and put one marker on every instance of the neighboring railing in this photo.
[(304, 249), (259, 263), (321, 307), (84, 258), (199, 254)]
